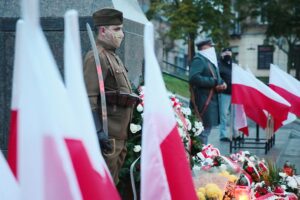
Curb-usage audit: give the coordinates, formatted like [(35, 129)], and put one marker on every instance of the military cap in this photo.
[(206, 41), (107, 17)]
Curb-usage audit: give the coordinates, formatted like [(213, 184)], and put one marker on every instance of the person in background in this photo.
[(205, 84), (225, 97)]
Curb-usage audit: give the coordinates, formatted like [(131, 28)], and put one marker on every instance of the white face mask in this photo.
[(114, 37)]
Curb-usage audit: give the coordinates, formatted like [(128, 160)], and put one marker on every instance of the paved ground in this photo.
[(287, 144)]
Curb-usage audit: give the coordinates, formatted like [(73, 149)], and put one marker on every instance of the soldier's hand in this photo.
[(105, 144)]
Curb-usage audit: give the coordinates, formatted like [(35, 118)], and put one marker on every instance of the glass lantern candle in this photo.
[(242, 192)]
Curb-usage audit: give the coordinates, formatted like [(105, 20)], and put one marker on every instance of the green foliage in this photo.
[(272, 177), (282, 16), (188, 18), (177, 86)]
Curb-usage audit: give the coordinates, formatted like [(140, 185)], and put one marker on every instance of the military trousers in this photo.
[(116, 157)]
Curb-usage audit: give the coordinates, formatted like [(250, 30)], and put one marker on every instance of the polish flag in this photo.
[(257, 98), (240, 123), (9, 188), (45, 170), (12, 142), (165, 172), (288, 87), (92, 173)]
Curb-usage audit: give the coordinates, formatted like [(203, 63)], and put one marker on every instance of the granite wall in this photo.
[(52, 12)]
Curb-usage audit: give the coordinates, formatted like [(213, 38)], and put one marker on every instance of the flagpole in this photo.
[(231, 126), (132, 178), (30, 12)]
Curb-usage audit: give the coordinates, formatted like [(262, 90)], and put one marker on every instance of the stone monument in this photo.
[(52, 20)]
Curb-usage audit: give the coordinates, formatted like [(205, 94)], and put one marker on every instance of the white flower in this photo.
[(297, 178), (179, 122), (194, 130), (137, 148), (189, 124), (135, 128), (282, 174), (242, 159), (196, 168), (283, 187), (140, 108), (259, 184), (198, 132), (197, 124), (252, 158), (291, 182), (223, 167), (181, 132), (186, 111)]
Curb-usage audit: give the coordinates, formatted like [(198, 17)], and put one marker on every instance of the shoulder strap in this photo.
[(194, 104)]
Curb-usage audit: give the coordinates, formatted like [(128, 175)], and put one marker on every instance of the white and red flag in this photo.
[(165, 172), (9, 188), (258, 99), (288, 87), (92, 173), (45, 170), (240, 119), (13, 127), (57, 150)]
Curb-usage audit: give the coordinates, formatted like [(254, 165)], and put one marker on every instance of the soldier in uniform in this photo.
[(109, 30)]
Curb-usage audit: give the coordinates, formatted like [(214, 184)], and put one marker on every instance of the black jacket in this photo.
[(225, 73)]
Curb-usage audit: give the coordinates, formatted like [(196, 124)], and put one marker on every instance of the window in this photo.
[(265, 56)]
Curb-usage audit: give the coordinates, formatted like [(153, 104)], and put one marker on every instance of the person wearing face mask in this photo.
[(205, 84), (109, 30), (225, 97)]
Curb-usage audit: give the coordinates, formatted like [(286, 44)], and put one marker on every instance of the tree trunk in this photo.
[(191, 47)]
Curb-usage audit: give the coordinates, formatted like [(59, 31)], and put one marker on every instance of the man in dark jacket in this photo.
[(205, 82), (225, 97)]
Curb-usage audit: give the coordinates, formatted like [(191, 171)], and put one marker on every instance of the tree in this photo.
[(282, 19), (189, 18)]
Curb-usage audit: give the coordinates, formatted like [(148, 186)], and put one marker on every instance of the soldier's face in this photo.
[(114, 34)]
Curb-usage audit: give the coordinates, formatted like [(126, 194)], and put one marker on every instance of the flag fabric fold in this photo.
[(288, 87), (92, 173), (13, 127), (9, 188), (163, 154), (258, 99), (45, 167), (240, 123)]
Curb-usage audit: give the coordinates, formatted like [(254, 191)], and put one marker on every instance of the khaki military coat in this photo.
[(115, 79)]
